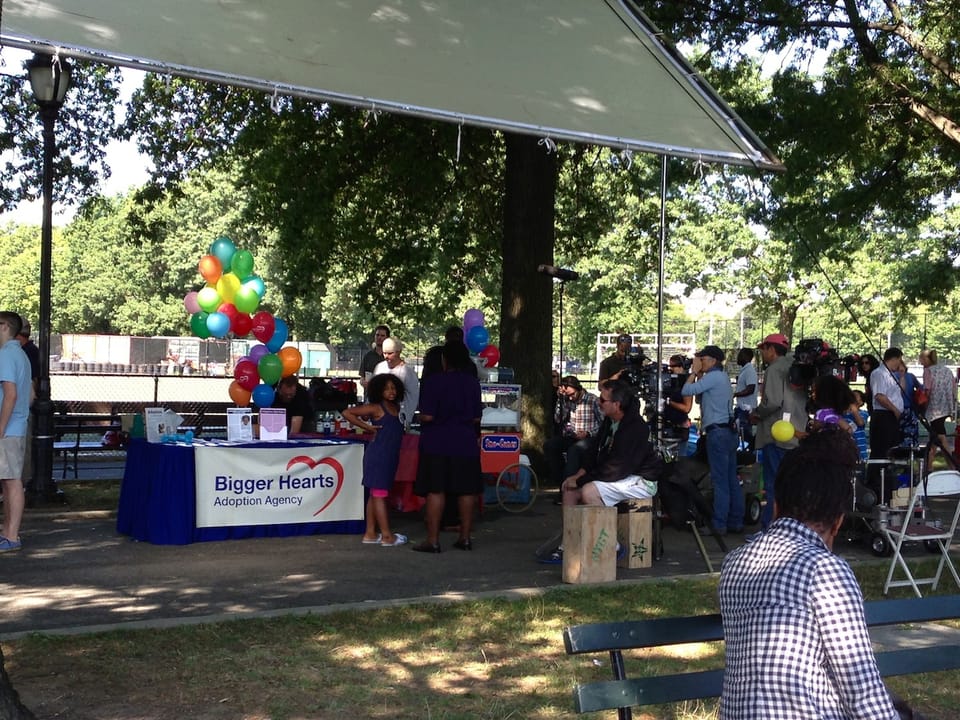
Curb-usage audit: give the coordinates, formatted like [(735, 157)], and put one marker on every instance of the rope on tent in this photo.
[(549, 144)]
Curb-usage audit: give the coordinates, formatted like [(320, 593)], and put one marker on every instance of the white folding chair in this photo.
[(935, 535)]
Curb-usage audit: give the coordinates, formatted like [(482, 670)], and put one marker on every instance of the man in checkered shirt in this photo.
[(579, 417), (796, 640)]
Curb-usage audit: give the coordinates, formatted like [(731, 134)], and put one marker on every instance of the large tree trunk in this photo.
[(526, 309), (10, 706)]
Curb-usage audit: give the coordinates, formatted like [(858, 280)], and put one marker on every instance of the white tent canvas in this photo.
[(584, 70)]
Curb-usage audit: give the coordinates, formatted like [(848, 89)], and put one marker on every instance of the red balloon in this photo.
[(263, 326), (246, 374), (241, 324), (228, 309), (492, 354)]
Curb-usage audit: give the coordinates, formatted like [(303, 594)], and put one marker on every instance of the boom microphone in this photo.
[(558, 272)]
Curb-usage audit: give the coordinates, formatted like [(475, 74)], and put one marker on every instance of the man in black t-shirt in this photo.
[(294, 398), (373, 356)]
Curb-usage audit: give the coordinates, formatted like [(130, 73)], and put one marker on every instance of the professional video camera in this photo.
[(641, 374), (812, 358)]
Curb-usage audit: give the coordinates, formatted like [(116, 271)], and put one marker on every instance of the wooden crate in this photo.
[(635, 533), (589, 544)]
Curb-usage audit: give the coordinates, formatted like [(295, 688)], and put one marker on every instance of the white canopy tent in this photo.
[(591, 71)]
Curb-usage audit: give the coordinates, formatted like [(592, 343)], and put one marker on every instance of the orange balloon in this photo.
[(210, 268), (290, 360), (240, 396)]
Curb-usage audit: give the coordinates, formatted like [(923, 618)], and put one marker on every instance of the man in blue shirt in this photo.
[(15, 387), (709, 382)]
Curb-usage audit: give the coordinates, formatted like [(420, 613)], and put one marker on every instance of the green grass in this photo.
[(493, 659), (91, 495)]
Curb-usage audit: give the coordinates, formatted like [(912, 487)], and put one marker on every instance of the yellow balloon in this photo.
[(227, 286), (782, 430)]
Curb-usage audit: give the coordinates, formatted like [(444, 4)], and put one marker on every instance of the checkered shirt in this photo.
[(584, 415), (796, 641)]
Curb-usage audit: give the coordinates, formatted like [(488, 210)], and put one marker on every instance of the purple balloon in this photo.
[(472, 318), (257, 352)]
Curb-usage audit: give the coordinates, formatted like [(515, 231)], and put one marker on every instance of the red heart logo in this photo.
[(312, 463)]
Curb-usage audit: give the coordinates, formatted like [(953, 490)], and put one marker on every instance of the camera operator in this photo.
[(676, 407), (611, 367), (710, 383), (579, 417)]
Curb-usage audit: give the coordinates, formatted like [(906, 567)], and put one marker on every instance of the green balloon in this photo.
[(198, 324), (208, 299), (246, 299), (270, 368), (242, 264)]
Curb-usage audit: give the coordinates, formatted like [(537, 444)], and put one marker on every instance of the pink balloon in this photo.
[(190, 302)]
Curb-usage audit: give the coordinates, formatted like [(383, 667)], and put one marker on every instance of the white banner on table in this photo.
[(276, 486)]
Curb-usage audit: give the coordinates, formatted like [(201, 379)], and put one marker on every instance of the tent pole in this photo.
[(657, 428)]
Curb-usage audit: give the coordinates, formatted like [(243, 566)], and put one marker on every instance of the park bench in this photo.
[(622, 693), (82, 433)]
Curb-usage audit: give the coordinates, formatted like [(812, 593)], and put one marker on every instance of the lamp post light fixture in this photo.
[(50, 80)]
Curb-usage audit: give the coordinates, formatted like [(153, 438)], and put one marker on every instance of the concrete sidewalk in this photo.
[(76, 574)]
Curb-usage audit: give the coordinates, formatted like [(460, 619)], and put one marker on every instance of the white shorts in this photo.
[(11, 457), (632, 487)]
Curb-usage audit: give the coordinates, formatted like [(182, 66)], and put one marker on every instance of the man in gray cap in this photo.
[(708, 381)]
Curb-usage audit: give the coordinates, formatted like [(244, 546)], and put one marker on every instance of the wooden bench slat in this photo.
[(612, 694), (622, 693)]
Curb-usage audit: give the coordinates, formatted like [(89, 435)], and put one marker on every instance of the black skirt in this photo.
[(448, 474)]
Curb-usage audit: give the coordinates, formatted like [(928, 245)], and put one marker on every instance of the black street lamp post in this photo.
[(49, 79)]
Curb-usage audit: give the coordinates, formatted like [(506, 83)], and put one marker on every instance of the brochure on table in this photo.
[(273, 424), (239, 424), (161, 423)]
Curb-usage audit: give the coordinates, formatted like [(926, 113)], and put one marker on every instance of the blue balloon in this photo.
[(223, 248), (263, 395), (218, 324), (477, 338), (256, 282), (280, 334)]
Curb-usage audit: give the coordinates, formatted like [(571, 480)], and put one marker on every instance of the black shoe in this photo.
[(426, 547), (463, 545)]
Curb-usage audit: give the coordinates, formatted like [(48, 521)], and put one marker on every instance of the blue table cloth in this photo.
[(158, 500)]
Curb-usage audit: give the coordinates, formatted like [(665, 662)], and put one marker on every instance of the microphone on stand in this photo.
[(558, 272)]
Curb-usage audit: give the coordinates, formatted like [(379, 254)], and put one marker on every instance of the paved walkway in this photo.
[(76, 574)]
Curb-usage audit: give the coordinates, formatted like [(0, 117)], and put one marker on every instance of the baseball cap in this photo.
[(775, 339), (712, 351), (392, 345), (571, 381), (624, 338)]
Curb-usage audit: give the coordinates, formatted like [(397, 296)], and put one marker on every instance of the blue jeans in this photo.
[(772, 455), (727, 495)]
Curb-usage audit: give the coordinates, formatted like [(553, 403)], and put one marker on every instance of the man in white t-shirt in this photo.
[(392, 363), (745, 396)]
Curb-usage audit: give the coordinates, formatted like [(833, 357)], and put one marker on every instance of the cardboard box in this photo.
[(635, 533), (589, 544)]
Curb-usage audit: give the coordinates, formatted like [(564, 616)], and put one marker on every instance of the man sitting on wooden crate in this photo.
[(620, 463), (796, 640)]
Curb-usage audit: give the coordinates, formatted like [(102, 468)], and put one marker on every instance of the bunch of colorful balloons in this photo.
[(477, 338), (229, 304)]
